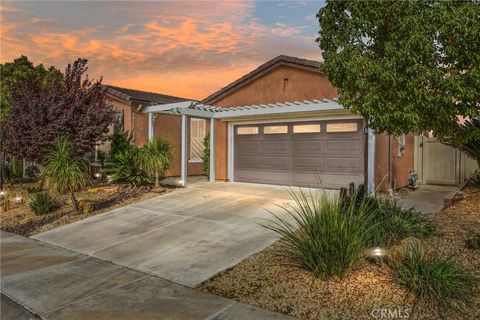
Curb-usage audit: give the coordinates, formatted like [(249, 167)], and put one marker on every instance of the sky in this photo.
[(183, 48)]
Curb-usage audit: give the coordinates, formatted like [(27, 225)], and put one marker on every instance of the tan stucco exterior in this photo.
[(271, 87), (401, 163), (167, 126)]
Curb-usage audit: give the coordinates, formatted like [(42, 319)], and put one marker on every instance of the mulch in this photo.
[(21, 220)]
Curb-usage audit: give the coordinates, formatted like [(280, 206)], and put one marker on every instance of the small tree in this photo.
[(73, 107), (157, 157), (467, 139), (64, 171), (406, 66)]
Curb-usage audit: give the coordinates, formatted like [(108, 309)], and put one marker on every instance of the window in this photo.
[(275, 129), (306, 128), (197, 133), (247, 130), (118, 120), (342, 127)]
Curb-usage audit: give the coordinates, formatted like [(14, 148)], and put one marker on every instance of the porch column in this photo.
[(151, 125), (184, 151), (371, 162), (212, 150)]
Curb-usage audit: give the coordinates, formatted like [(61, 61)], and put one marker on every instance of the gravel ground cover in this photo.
[(21, 220), (272, 282)]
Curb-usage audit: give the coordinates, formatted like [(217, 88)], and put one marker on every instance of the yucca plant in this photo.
[(434, 281), (322, 234), (64, 171), (42, 203), (127, 167), (157, 157)]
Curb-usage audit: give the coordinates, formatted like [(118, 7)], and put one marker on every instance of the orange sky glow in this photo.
[(188, 49)]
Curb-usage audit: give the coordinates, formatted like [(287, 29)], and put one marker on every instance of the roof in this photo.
[(144, 97), (261, 70), (194, 109)]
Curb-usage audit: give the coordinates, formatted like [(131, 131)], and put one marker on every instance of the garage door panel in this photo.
[(248, 162), (276, 145), (252, 146), (278, 163), (315, 146), (344, 145), (274, 177), (309, 164), (343, 164)]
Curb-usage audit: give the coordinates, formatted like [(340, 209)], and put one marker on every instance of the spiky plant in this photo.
[(64, 171), (157, 157)]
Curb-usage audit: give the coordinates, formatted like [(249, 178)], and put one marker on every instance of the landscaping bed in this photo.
[(20, 219), (273, 282)]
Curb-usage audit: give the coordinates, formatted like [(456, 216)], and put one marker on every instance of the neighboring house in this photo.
[(281, 124)]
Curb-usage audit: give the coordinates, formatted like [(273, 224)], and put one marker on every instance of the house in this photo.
[(281, 124), (129, 104)]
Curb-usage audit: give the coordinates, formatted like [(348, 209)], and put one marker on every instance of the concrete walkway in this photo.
[(186, 236), (55, 283), (428, 198)]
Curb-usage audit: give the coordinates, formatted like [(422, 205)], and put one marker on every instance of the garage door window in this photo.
[(247, 130), (342, 127), (306, 128), (275, 130)]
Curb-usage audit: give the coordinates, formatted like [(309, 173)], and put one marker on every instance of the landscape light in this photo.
[(18, 199), (97, 175), (2, 193), (378, 252)]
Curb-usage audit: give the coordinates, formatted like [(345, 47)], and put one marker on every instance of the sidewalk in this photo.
[(56, 283), (428, 198)]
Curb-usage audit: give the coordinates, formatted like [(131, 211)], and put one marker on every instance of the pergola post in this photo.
[(151, 125), (184, 152), (371, 161), (212, 150)]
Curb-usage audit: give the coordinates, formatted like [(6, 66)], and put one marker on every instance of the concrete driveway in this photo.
[(186, 236)]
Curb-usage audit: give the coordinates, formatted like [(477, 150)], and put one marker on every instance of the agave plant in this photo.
[(65, 172), (157, 157)]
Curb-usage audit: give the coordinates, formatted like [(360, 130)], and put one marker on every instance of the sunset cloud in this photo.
[(188, 49)]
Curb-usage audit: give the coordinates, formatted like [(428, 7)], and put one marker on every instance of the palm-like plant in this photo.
[(157, 157), (65, 172)]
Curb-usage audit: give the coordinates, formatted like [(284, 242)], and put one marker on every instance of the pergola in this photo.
[(195, 109)]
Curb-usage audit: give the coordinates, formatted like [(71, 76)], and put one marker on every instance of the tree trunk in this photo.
[(157, 180), (74, 201)]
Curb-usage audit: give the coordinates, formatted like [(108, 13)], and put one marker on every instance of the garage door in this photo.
[(330, 153)]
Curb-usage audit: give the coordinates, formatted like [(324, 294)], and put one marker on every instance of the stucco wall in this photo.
[(401, 165), (270, 88)]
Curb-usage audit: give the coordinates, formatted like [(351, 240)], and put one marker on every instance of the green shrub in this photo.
[(127, 167), (323, 234), (436, 283), (35, 188), (43, 203), (394, 223), (391, 221), (206, 155), (157, 158), (474, 243), (120, 142), (475, 177), (32, 172)]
